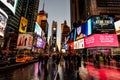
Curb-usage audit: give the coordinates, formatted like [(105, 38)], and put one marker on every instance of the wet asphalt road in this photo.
[(36, 71)]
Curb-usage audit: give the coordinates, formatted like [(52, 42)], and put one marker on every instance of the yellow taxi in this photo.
[(22, 56)]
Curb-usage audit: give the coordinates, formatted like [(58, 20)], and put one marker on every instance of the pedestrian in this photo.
[(108, 59)]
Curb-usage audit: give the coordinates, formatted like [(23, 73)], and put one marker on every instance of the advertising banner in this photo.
[(117, 27), (71, 45), (38, 29), (40, 42), (84, 29), (75, 44), (109, 40), (3, 22), (11, 4), (24, 41), (23, 25), (72, 35), (103, 24), (79, 44)]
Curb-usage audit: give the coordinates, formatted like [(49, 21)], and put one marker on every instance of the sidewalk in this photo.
[(83, 73), (112, 66)]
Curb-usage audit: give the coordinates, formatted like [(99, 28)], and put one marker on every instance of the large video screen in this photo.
[(84, 30), (73, 35), (38, 29), (3, 22), (100, 40), (103, 24), (117, 27), (11, 4), (24, 41), (40, 43)]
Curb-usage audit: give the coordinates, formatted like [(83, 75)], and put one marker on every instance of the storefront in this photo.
[(79, 47), (101, 44)]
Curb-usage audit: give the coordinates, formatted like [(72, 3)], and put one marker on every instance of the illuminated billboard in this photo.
[(100, 40), (24, 41), (79, 44), (103, 25), (117, 27), (84, 30), (38, 29), (72, 35), (3, 22), (11, 4), (23, 25), (40, 42)]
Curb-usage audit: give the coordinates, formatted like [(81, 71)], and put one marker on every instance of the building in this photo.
[(10, 12), (54, 36), (24, 8), (83, 9), (31, 13), (75, 6), (42, 21), (65, 32)]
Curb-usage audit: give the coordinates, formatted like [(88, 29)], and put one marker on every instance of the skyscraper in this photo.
[(27, 9), (83, 9)]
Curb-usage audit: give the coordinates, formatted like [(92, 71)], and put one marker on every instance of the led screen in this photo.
[(40, 42), (103, 25), (101, 40), (117, 27), (3, 22), (11, 4), (84, 30), (38, 29), (24, 41), (73, 35)]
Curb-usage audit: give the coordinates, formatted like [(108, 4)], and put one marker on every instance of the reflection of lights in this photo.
[(36, 71), (103, 74)]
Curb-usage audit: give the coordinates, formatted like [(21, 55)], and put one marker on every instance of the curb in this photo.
[(13, 66)]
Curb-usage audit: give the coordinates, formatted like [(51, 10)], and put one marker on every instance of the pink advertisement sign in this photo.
[(101, 40)]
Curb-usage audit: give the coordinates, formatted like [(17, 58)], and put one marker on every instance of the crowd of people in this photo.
[(67, 62)]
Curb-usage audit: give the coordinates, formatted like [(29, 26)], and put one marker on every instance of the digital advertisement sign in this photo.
[(103, 24), (11, 4), (72, 35), (23, 25), (79, 44), (84, 30), (40, 42), (24, 41), (38, 29), (71, 45), (3, 22), (107, 40), (117, 27)]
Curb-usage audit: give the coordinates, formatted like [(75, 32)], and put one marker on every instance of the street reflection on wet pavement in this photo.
[(36, 71), (29, 72)]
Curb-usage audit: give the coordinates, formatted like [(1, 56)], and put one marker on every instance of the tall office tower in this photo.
[(26, 8), (13, 19), (101, 7), (54, 35), (75, 11), (65, 32), (31, 11), (42, 21), (83, 9)]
